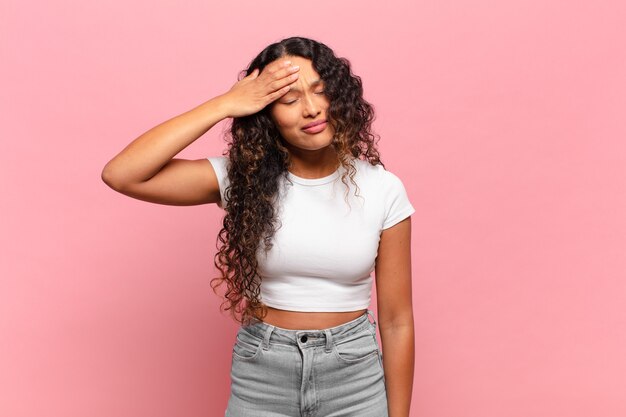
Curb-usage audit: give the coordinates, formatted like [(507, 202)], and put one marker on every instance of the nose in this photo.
[(311, 108)]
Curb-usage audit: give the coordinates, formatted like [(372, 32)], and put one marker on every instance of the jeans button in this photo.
[(303, 339)]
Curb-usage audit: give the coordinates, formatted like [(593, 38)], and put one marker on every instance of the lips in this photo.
[(319, 122)]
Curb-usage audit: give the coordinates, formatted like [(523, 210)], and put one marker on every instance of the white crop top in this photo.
[(324, 252)]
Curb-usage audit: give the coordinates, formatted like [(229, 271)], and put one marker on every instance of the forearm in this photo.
[(147, 154), (398, 361)]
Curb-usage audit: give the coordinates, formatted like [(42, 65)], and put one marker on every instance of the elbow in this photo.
[(110, 178)]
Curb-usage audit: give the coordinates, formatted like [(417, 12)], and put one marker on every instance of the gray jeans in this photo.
[(334, 372)]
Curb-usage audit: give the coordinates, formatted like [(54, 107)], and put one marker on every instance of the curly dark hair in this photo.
[(258, 159)]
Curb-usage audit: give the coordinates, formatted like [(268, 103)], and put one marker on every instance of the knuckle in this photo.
[(275, 85)]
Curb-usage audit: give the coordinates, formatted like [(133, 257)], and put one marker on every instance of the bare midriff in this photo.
[(309, 320)]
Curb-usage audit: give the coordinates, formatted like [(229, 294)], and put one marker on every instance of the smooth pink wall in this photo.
[(505, 120)]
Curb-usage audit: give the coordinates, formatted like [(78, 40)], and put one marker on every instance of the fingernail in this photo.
[(287, 63)]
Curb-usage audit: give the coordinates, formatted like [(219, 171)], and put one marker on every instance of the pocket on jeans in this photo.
[(357, 348), (380, 353), (246, 346)]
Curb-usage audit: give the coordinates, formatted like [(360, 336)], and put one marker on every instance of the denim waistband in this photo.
[(310, 337)]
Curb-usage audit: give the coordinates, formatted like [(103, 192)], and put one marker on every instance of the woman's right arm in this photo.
[(146, 168)]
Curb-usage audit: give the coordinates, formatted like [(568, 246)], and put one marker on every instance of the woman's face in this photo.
[(305, 103)]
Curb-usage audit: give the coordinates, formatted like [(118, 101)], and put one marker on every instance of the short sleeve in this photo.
[(220, 167), (397, 204)]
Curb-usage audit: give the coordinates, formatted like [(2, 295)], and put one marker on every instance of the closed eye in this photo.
[(293, 101)]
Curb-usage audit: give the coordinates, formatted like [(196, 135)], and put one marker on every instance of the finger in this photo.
[(284, 80), (278, 77), (281, 63), (277, 69), (278, 94)]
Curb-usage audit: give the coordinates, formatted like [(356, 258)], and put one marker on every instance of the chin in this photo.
[(313, 146), (311, 143)]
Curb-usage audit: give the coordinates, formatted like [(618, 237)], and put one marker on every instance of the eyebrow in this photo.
[(313, 84)]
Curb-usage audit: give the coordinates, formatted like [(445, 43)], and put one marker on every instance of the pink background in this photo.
[(505, 120)]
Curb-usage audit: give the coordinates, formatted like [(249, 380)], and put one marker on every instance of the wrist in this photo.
[(222, 105)]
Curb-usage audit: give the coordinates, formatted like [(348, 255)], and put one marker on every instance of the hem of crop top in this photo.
[(293, 307)]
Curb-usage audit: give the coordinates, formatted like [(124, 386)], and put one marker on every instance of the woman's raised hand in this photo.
[(252, 93)]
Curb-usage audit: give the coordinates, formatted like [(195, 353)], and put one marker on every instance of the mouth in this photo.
[(315, 128), (319, 122)]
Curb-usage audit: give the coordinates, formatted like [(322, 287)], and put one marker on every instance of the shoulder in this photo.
[(365, 168), (220, 165), (218, 162), (376, 174)]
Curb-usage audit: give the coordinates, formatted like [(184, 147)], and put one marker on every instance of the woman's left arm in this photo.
[(395, 315)]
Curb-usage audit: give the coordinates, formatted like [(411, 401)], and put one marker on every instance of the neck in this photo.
[(313, 164)]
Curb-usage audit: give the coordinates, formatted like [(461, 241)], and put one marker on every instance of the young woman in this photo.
[(310, 213)]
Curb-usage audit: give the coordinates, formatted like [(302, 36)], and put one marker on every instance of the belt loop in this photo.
[(371, 313), (329, 341), (266, 338)]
